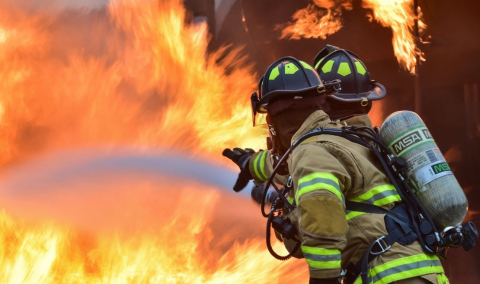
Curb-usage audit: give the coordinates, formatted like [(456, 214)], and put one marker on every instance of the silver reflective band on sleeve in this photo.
[(322, 258), (319, 181)]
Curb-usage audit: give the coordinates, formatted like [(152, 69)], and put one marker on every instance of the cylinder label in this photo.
[(430, 173), (425, 167), (409, 140)]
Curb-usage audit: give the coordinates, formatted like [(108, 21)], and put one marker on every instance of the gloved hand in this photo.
[(324, 281), (241, 158)]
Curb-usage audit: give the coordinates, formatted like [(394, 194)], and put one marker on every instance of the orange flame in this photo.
[(400, 17), (177, 246), (134, 74), (138, 76), (311, 22)]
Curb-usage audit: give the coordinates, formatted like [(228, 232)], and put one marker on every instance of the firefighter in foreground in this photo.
[(328, 170)]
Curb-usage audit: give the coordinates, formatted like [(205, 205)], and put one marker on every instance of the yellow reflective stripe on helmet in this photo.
[(328, 66), (318, 63), (379, 195), (291, 68), (318, 181), (306, 65), (404, 268), (322, 258), (360, 68), (442, 279), (259, 165), (274, 74), (344, 69)]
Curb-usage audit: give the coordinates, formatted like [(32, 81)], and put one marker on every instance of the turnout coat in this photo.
[(327, 170)]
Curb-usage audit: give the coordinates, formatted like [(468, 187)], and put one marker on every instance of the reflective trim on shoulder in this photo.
[(322, 258), (442, 279), (259, 166), (404, 268), (319, 181), (379, 195)]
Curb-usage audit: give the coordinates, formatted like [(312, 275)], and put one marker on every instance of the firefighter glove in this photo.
[(241, 158)]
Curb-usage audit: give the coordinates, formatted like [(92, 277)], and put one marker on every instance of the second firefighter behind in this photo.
[(328, 170)]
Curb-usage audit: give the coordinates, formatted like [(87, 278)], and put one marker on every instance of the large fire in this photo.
[(129, 226), (324, 18), (133, 74)]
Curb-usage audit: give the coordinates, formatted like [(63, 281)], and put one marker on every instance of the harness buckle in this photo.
[(383, 247)]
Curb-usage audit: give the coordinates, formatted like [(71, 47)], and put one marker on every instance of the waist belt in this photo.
[(398, 230)]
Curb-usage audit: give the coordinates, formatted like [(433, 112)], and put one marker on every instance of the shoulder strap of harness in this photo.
[(380, 245)]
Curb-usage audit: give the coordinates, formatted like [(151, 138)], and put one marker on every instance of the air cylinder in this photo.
[(435, 186)]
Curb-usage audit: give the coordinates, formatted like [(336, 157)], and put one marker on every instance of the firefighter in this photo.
[(328, 170)]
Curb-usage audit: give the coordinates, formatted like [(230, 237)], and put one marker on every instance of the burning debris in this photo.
[(324, 19)]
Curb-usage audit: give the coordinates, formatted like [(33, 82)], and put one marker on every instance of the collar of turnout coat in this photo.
[(320, 119)]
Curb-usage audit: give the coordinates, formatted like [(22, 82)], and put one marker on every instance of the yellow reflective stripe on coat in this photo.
[(380, 195), (353, 214), (259, 166), (322, 258), (442, 279), (318, 181), (290, 199), (403, 268)]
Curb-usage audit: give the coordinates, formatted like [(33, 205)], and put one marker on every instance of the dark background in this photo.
[(449, 78)]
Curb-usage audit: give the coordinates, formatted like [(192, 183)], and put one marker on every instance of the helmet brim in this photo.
[(378, 92), (262, 105)]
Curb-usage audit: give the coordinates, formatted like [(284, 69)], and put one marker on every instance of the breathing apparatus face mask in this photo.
[(287, 116)]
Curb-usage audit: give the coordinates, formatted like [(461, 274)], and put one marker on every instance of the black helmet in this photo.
[(286, 77), (334, 63)]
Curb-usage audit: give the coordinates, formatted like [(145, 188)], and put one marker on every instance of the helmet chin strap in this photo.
[(273, 136)]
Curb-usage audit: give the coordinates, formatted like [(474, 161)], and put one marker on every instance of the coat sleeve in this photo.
[(320, 181), (261, 167)]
